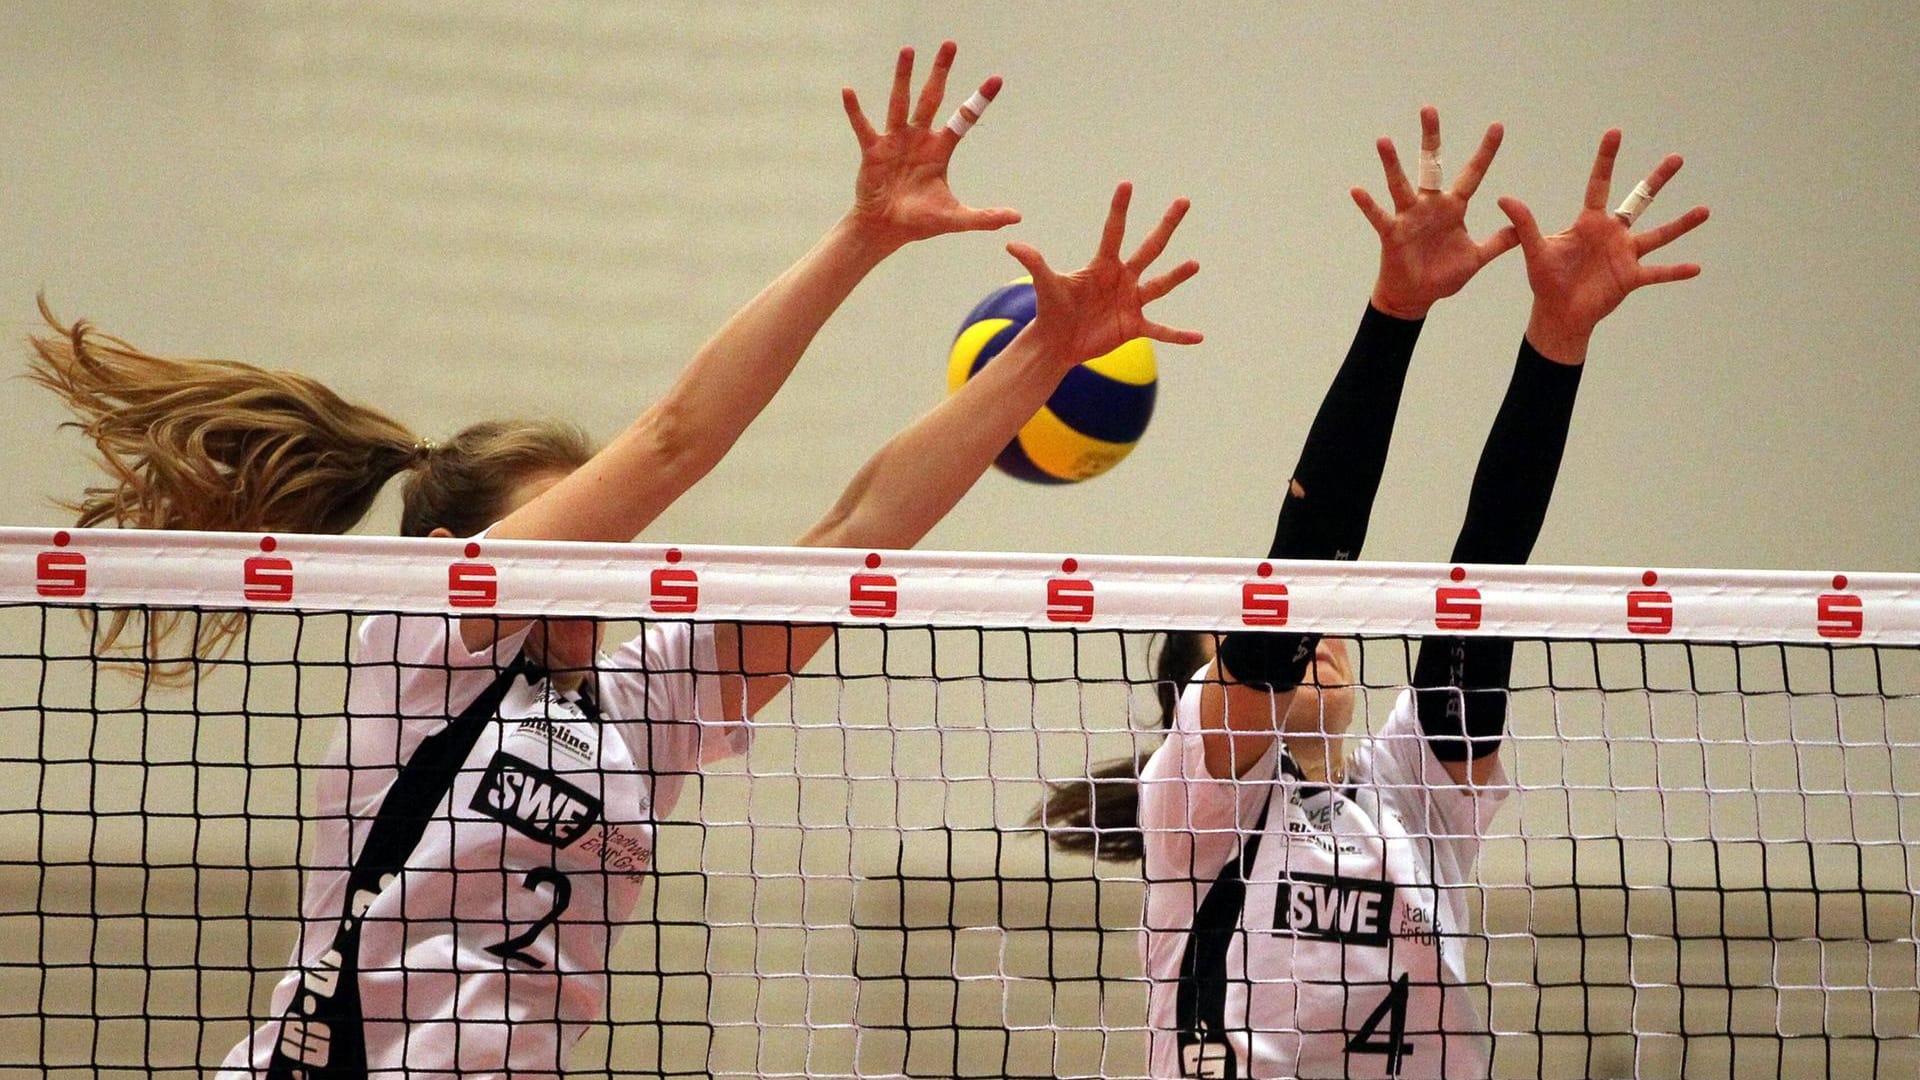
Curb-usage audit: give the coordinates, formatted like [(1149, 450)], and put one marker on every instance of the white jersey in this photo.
[(1296, 930), (487, 954)]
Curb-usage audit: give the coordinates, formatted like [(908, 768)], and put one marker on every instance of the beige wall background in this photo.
[(459, 211), (495, 208)]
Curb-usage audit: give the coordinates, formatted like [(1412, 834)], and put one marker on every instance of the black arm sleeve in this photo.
[(1462, 682), (1325, 511)]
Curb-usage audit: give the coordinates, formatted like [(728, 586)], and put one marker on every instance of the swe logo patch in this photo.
[(1334, 908), (533, 801)]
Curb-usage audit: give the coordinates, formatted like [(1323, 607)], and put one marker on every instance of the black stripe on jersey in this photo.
[(586, 697), (1201, 1010), (321, 1037)]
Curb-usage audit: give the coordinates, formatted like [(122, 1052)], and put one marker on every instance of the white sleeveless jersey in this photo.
[(487, 955), (1294, 930)]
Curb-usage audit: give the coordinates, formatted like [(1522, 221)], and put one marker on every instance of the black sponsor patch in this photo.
[(1335, 908), (1207, 1060), (535, 802)]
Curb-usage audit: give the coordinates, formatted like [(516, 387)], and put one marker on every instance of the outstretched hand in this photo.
[(1425, 252), (1096, 309), (901, 193), (1582, 273)]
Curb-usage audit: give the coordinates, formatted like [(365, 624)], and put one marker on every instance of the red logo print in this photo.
[(1841, 615), (675, 590), (873, 596), (60, 573), (1650, 611), (1457, 607), (1069, 599), (472, 584), (267, 579), (1263, 603)]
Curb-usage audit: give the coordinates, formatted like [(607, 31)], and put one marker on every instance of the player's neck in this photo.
[(1321, 758)]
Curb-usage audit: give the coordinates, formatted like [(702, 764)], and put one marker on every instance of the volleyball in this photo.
[(1092, 420)]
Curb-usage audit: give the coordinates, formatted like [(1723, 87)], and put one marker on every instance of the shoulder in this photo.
[(1186, 711), (1399, 764), (429, 641), (665, 648), (375, 638), (664, 687), (1394, 754)]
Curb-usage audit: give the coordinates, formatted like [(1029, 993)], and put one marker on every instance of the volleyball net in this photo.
[(1709, 863)]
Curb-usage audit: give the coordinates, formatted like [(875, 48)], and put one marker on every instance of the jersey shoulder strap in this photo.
[(1201, 1011), (320, 1036), (424, 781)]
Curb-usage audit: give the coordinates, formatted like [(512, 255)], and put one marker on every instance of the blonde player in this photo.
[(485, 815), (1305, 892)]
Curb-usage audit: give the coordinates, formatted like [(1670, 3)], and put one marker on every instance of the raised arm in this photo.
[(918, 476), (921, 473), (1578, 276), (901, 195), (1426, 255)]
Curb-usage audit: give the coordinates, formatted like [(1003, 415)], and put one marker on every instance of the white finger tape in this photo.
[(958, 123), (1635, 202), (1430, 169)]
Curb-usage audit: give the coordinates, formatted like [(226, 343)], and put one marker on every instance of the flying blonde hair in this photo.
[(221, 445)]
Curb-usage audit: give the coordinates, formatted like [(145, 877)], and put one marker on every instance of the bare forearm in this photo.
[(737, 372), (918, 476), (925, 470), (679, 439), (904, 489)]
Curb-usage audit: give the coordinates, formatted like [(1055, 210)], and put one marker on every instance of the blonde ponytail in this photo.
[(215, 445), (229, 447)]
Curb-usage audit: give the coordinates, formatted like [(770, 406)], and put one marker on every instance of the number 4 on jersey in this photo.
[(1395, 1046)]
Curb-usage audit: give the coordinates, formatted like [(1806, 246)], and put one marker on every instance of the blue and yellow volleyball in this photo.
[(1095, 417)]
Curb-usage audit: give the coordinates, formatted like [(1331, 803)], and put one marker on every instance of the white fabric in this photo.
[(1635, 203), (959, 123), (1296, 999), (1430, 169), (423, 958)]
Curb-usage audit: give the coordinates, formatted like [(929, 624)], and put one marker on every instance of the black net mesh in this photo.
[(1707, 866)]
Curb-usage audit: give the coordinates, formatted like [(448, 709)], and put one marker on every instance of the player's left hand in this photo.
[(1425, 252), (1582, 273), (901, 193), (1096, 309)]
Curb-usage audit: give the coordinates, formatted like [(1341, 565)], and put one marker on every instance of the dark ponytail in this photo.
[(1099, 815)]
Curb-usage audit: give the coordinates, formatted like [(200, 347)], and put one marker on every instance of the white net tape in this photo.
[(1708, 866)]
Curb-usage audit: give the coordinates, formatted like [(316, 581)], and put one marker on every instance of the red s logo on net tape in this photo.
[(673, 589), (873, 595), (1456, 606), (1069, 600), (267, 578), (472, 584), (60, 574), (1650, 610), (1838, 614)]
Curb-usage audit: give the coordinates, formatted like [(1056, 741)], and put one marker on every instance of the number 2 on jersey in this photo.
[(1395, 1046), (511, 949)]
